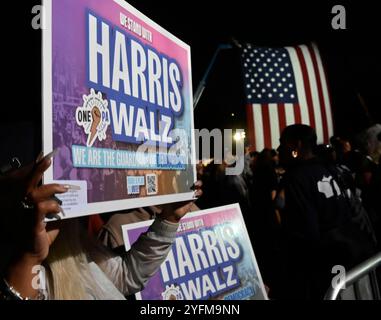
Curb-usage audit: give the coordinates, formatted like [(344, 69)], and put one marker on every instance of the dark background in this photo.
[(352, 59)]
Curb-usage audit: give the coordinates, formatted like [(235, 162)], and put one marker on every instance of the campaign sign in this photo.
[(117, 105), (211, 259)]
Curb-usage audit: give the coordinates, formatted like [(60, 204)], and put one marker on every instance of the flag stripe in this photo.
[(290, 113), (298, 114), (314, 93), (321, 98), (307, 91), (250, 125), (258, 126), (282, 117), (266, 125), (303, 110), (274, 124), (327, 101)]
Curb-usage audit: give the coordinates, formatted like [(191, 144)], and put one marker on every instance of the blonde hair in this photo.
[(68, 273)]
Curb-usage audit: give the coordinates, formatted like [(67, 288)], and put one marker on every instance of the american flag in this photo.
[(285, 86)]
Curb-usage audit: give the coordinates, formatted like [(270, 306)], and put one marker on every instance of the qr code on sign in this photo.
[(151, 184)]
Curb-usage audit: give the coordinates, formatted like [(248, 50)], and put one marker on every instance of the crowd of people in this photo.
[(307, 208)]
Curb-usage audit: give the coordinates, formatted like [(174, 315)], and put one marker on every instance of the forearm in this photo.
[(149, 252), (131, 272)]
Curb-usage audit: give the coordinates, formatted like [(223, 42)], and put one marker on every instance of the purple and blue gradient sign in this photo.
[(211, 259), (117, 105)]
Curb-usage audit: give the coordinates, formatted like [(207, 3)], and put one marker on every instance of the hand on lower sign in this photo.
[(173, 212)]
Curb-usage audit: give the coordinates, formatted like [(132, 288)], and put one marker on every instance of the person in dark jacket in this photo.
[(317, 227)]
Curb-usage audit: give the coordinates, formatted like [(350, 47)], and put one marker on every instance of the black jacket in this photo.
[(318, 231)]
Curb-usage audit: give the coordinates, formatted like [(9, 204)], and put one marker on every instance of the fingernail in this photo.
[(72, 187), (63, 212), (53, 216), (51, 154), (57, 200), (63, 188), (39, 157)]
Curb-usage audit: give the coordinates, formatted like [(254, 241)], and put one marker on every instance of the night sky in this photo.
[(352, 56)]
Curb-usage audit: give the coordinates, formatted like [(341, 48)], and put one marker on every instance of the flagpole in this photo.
[(202, 84)]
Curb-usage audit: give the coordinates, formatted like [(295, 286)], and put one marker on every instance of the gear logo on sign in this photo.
[(172, 293), (93, 116)]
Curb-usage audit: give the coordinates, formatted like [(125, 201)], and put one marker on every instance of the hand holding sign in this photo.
[(31, 203), (173, 212), (32, 239)]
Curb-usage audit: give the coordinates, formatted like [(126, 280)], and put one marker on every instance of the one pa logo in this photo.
[(172, 292), (93, 116)]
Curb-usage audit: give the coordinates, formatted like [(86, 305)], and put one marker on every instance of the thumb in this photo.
[(52, 230), (52, 235)]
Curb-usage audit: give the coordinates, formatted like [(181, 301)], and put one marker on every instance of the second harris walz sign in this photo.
[(212, 258)]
